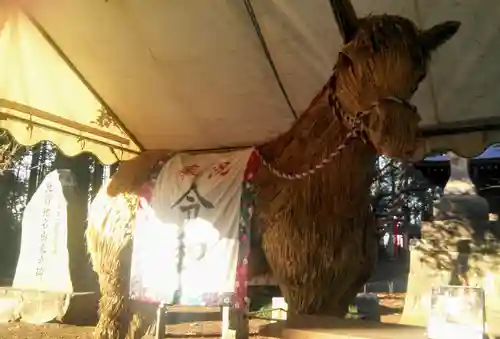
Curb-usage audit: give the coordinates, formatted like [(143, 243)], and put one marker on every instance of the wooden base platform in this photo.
[(315, 327)]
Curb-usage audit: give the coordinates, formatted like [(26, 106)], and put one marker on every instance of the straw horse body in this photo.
[(317, 232)]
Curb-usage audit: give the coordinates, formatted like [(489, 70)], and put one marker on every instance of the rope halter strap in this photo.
[(356, 130)]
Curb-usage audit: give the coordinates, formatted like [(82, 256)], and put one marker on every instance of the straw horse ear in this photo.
[(439, 34), (346, 18)]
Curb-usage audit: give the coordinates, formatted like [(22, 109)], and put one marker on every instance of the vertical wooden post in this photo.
[(234, 323), (160, 321)]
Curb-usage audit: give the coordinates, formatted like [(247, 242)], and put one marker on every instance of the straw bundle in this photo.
[(108, 242), (108, 237)]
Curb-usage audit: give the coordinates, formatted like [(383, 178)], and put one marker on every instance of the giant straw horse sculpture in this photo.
[(316, 227)]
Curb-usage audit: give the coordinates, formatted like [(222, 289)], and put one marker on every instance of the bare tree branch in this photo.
[(8, 149)]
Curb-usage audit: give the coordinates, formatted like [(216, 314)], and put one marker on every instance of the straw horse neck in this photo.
[(320, 132), (333, 202)]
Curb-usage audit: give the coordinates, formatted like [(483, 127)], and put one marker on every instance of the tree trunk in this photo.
[(97, 177), (9, 239), (80, 167), (33, 181), (61, 161)]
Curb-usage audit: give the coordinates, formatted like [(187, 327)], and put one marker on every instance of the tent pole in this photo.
[(265, 48)]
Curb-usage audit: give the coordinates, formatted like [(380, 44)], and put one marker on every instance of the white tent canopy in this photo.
[(193, 74)]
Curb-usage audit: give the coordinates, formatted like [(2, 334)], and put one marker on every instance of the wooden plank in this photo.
[(355, 333), (317, 327), (161, 327), (320, 327)]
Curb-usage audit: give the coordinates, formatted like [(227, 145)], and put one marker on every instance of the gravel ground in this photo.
[(391, 308)]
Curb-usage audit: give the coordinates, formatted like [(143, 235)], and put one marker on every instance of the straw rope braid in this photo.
[(356, 127), (326, 160)]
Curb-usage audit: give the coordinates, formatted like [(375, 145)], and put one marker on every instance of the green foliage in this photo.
[(11, 206), (400, 192)]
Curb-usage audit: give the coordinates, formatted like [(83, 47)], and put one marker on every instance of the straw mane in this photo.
[(317, 234)]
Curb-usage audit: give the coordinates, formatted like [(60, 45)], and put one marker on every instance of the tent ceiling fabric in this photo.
[(43, 99), (192, 74)]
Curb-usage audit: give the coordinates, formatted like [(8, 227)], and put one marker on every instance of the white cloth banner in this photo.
[(186, 238)]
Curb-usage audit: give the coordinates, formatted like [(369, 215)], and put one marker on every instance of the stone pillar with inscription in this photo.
[(457, 248), (54, 279), (461, 214)]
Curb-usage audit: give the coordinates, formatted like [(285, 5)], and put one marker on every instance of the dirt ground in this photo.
[(391, 308)]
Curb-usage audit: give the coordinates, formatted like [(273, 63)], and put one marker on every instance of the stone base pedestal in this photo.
[(37, 307), (426, 272), (458, 247)]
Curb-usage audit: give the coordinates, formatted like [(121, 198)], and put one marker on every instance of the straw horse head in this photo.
[(382, 62)]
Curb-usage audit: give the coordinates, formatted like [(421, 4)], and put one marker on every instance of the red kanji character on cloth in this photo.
[(191, 170), (220, 169)]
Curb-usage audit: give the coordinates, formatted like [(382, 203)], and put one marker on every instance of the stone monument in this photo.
[(54, 279), (457, 247)]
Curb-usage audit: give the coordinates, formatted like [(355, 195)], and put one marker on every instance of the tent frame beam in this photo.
[(260, 35), (87, 84), (460, 127), (28, 122), (11, 105)]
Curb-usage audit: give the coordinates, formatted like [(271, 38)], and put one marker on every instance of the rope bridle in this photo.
[(354, 124)]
